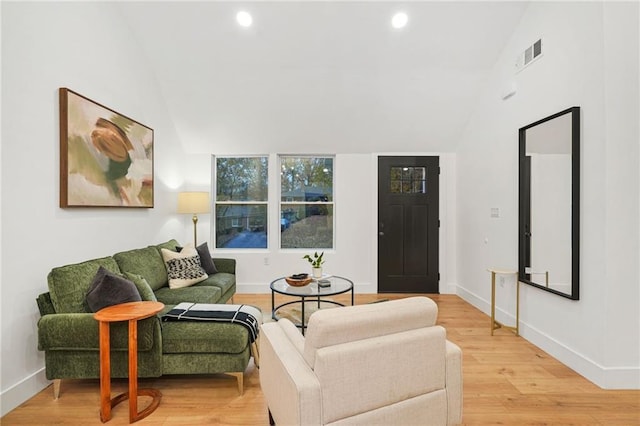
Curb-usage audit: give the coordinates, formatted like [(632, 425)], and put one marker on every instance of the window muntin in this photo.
[(408, 180), (306, 202), (241, 202)]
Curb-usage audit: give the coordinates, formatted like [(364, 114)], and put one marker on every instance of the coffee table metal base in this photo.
[(311, 293)]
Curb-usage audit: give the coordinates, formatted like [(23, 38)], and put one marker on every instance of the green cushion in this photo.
[(169, 245), (80, 332), (205, 363), (146, 293), (68, 285), (173, 296), (145, 262), (224, 264), (222, 280), (203, 337)]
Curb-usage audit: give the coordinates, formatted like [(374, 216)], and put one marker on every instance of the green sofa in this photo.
[(68, 333)]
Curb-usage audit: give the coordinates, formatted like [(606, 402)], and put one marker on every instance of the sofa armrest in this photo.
[(80, 332), (453, 383), (290, 387), (227, 265)]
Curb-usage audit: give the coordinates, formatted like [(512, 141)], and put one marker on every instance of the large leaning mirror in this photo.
[(549, 203)]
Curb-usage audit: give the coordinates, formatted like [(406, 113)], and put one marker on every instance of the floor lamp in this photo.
[(194, 203)]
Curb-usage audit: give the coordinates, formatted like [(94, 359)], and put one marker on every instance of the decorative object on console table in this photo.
[(194, 203), (106, 158), (316, 262)]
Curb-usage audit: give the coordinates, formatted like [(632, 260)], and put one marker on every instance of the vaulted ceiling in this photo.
[(320, 77)]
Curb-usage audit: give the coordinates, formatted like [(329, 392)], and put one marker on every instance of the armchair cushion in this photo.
[(334, 326), (377, 370)]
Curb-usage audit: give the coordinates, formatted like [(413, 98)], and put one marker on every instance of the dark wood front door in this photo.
[(408, 224)]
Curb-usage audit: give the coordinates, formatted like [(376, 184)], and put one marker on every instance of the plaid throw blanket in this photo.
[(247, 316)]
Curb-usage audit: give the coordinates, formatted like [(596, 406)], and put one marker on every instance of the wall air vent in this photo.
[(529, 55)]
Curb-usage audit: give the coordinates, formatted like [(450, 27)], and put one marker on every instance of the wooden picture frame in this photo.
[(106, 158)]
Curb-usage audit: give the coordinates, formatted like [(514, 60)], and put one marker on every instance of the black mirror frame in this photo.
[(524, 201)]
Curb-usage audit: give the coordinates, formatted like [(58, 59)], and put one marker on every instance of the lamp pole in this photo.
[(195, 227)]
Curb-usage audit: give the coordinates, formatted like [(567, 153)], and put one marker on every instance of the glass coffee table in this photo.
[(310, 292)]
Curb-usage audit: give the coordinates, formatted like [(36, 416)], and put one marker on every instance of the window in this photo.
[(408, 180), (306, 202), (241, 202)]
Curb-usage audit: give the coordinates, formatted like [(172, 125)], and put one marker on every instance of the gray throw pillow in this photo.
[(109, 289), (205, 258)]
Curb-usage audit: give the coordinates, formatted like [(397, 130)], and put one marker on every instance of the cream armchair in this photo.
[(378, 364)]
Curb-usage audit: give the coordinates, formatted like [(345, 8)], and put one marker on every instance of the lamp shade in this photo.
[(193, 202)]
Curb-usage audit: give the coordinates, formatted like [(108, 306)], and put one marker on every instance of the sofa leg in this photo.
[(271, 421), (255, 353), (56, 388), (240, 378)]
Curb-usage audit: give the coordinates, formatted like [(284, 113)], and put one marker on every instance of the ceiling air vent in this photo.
[(529, 55)]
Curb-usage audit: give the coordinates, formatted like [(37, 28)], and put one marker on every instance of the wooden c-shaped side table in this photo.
[(132, 312)]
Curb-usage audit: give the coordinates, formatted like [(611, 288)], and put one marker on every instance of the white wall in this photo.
[(355, 253), (86, 48), (622, 142), (592, 63)]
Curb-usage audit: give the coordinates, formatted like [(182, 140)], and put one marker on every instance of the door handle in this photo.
[(381, 234)]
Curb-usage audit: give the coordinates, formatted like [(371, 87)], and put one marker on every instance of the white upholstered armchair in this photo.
[(379, 364)]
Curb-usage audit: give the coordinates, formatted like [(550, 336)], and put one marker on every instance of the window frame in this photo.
[(331, 203), (216, 202)]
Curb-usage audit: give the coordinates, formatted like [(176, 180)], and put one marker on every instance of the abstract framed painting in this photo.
[(106, 158)]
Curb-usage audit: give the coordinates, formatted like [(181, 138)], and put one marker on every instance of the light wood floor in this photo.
[(507, 381)]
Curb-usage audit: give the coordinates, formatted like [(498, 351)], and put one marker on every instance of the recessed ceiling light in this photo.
[(244, 18), (399, 20)]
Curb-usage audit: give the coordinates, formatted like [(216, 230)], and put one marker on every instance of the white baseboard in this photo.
[(262, 288), (22, 391), (361, 288), (448, 288), (605, 377)]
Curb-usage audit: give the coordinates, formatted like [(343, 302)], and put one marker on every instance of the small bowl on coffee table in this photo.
[(298, 280)]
